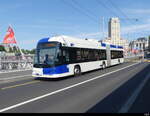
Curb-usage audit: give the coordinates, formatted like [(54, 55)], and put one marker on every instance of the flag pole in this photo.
[(22, 54)]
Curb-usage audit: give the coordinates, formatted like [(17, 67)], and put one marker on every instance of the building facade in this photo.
[(140, 44), (114, 34), (114, 28)]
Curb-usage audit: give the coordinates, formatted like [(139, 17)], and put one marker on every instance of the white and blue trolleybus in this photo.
[(62, 56)]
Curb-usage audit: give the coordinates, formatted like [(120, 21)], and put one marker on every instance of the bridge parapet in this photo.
[(131, 57), (15, 63)]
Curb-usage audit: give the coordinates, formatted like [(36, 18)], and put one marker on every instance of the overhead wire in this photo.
[(80, 10), (132, 21), (106, 7), (109, 9), (122, 12), (85, 9)]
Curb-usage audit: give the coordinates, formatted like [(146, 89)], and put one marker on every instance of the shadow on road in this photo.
[(113, 102), (53, 79)]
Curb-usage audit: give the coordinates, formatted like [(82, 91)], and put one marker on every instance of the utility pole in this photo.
[(103, 27), (148, 43)]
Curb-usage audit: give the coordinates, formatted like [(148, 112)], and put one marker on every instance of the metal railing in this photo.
[(15, 63), (132, 56)]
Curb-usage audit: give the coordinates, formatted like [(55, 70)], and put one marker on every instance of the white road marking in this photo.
[(63, 89), (126, 107)]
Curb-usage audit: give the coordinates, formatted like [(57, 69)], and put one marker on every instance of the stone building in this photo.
[(140, 44), (114, 34)]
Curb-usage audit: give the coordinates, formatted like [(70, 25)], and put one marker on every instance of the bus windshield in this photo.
[(46, 55)]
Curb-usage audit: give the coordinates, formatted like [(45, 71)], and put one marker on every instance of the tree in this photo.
[(23, 50), (32, 51), (2, 48), (11, 50), (15, 49)]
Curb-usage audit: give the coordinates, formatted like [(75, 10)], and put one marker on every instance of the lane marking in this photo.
[(10, 78), (126, 107), (14, 86), (16, 71), (14, 80), (63, 89)]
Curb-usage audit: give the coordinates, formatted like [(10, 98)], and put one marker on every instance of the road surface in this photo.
[(100, 91)]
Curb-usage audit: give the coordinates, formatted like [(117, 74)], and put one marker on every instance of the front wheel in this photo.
[(77, 71)]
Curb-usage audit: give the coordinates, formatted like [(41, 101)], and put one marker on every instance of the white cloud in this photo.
[(138, 11), (148, 20), (141, 28), (90, 34), (94, 35), (136, 28), (28, 42)]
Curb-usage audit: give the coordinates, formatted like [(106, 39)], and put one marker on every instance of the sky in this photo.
[(33, 20)]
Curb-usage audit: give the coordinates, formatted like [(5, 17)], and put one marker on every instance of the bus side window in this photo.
[(96, 55), (65, 55), (102, 54), (58, 58), (72, 55), (78, 53)]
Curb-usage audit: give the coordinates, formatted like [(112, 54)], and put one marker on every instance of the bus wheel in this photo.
[(77, 71)]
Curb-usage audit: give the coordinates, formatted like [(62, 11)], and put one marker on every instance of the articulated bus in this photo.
[(62, 56)]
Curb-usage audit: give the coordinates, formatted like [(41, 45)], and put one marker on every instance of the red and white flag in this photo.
[(9, 37)]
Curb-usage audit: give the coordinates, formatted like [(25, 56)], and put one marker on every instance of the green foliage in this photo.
[(2, 48), (28, 51), (16, 50), (11, 50), (32, 51)]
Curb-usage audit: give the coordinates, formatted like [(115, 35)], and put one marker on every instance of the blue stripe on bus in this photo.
[(43, 40), (56, 70), (113, 46), (120, 47), (103, 44)]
